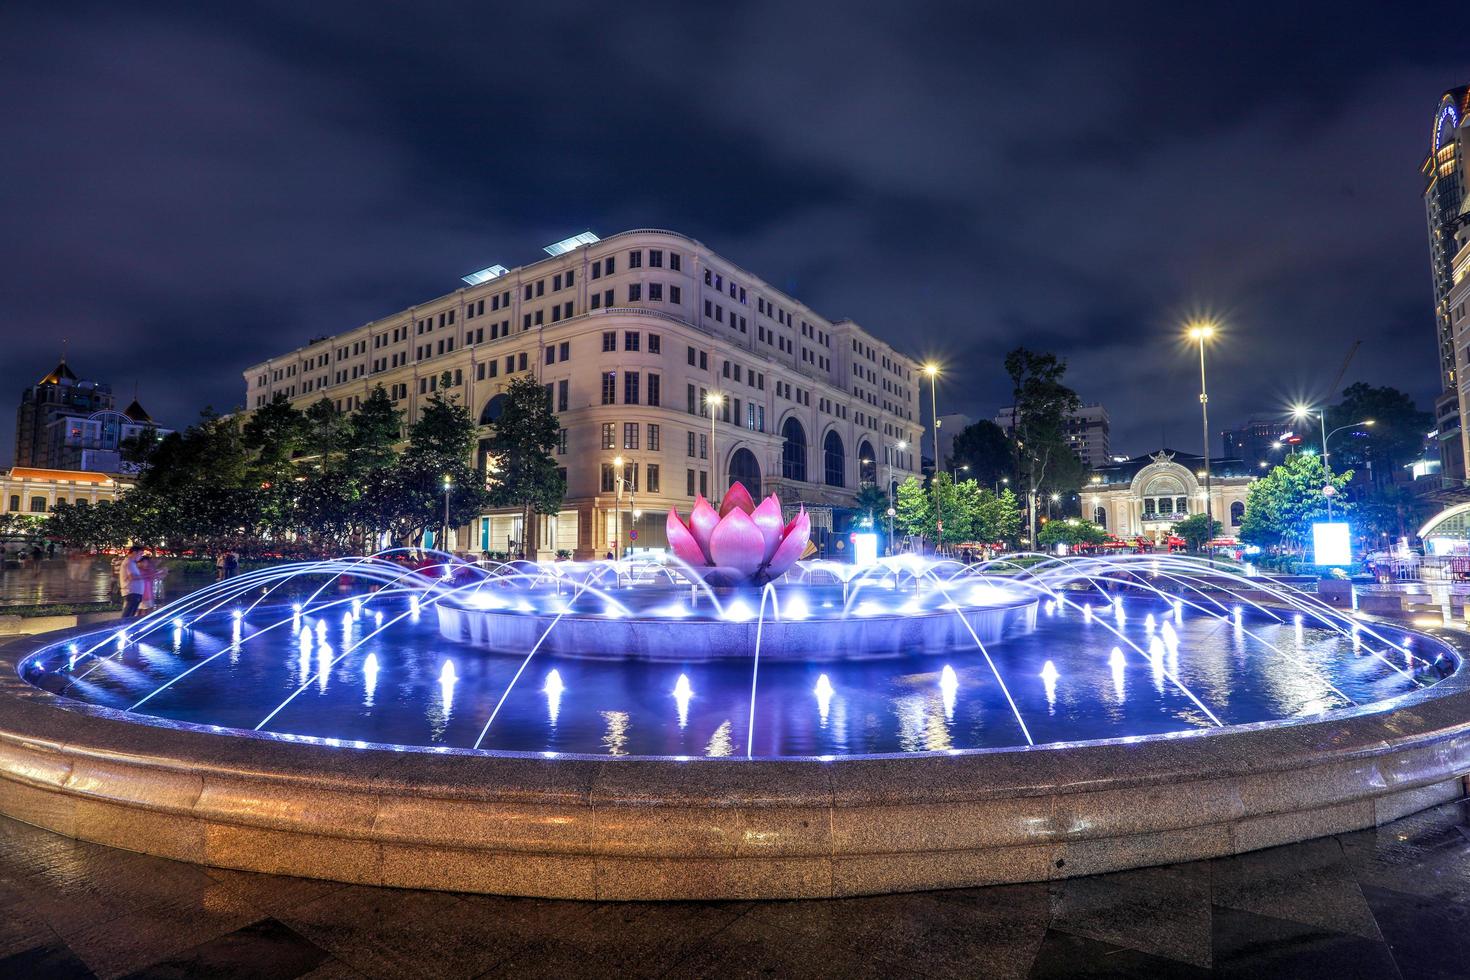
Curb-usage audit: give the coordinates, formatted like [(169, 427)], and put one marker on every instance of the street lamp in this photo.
[(1200, 332), (713, 401), (618, 510), (1305, 413), (1003, 481), (1049, 501), (956, 470), (932, 370), (448, 483)]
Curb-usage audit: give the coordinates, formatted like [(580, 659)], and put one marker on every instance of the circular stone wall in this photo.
[(580, 827)]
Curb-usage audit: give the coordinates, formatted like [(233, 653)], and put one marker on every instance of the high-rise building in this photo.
[(1088, 432), (634, 337), (1446, 210), (67, 423), (1256, 442)]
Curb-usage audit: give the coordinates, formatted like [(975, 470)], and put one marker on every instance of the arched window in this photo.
[(1181, 505), (38, 505), (1237, 513), (835, 459), (793, 453), (744, 469), (1100, 516), (492, 409), (867, 463)]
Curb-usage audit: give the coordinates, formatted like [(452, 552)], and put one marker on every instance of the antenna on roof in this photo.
[(63, 350)]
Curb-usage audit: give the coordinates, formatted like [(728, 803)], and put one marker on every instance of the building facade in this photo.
[(67, 423), (949, 427), (1088, 432), (633, 337), (1446, 212), (34, 491), (1257, 442), (1147, 495)]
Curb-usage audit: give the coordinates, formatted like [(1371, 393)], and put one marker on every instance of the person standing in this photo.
[(232, 563), (131, 581)]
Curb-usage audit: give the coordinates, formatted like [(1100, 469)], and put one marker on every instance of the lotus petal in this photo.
[(738, 543), (767, 517), (792, 545), (737, 496), (702, 522), (682, 541)]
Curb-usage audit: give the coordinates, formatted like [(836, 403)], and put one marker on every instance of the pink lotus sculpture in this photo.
[(743, 542)]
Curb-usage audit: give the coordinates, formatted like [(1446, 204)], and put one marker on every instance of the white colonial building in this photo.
[(1147, 495), (632, 336)]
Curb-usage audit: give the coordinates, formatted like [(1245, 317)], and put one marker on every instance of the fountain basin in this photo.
[(581, 827)]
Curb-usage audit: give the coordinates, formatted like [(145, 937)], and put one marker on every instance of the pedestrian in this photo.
[(152, 573), (232, 564), (130, 579), (50, 549)]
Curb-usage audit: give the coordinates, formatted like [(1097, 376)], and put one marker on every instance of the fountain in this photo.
[(729, 720)]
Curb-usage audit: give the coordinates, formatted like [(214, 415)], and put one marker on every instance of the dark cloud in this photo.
[(190, 188)]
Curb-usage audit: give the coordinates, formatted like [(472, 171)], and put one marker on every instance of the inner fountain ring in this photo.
[(644, 828)]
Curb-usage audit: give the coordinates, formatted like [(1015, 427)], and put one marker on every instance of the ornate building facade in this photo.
[(1149, 494)]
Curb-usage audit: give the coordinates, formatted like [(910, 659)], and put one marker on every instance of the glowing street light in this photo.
[(1305, 413), (1201, 331), (713, 401), (932, 370)]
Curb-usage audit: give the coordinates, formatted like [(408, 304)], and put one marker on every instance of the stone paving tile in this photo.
[(1311, 883), (747, 949), (1160, 911), (1429, 939), (264, 950), (383, 932), (1422, 854), (53, 960), (991, 932), (1063, 956), (1254, 946)]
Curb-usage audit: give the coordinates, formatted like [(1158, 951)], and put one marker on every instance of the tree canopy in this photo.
[(1281, 507)]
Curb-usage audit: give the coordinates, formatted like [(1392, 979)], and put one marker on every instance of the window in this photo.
[(561, 396), (609, 340), (565, 349), (561, 442), (652, 478), (609, 435), (635, 292), (550, 353), (693, 407), (655, 258), (674, 263), (653, 344), (596, 302), (630, 435), (676, 295), (38, 505), (630, 340), (691, 444), (610, 264), (597, 269), (609, 482), (703, 446), (609, 387), (635, 260), (630, 388), (689, 483), (653, 446), (655, 292), (704, 482), (522, 359), (691, 357), (655, 395)]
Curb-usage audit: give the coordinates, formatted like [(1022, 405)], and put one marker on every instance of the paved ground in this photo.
[(1394, 902)]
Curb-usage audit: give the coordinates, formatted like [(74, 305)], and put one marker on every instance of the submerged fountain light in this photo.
[(1116, 663), (683, 694), (795, 608), (1049, 677), (370, 678), (447, 680), (949, 685), (824, 692), (1149, 624), (553, 689)]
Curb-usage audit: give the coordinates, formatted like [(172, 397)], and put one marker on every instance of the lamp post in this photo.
[(932, 370), (1003, 480), (618, 509), (448, 483), (1049, 501), (713, 401), (955, 471), (1201, 332), (1302, 412), (897, 448)]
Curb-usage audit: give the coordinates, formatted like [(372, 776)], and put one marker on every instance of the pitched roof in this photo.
[(58, 374), (137, 413)]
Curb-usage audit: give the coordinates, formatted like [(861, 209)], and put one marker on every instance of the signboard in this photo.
[(632, 535), (1332, 543), (864, 549)]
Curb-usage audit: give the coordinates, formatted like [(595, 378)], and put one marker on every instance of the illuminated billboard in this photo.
[(1332, 543)]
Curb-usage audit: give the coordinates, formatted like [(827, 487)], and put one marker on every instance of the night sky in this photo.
[(187, 191)]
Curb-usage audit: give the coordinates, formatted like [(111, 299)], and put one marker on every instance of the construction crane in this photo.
[(1332, 391)]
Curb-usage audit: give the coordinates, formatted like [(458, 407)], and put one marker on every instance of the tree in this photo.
[(986, 449), (373, 433), (523, 473), (439, 444), (1197, 530), (913, 509), (872, 504), (325, 434), (995, 517), (1395, 439), (1041, 403), (1281, 506), (1071, 532), (276, 433)]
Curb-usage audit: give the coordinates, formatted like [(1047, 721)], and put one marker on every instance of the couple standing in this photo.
[(140, 581)]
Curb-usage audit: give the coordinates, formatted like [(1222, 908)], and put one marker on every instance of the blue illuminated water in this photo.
[(1073, 678)]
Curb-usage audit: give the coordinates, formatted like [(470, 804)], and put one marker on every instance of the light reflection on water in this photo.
[(1073, 678)]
